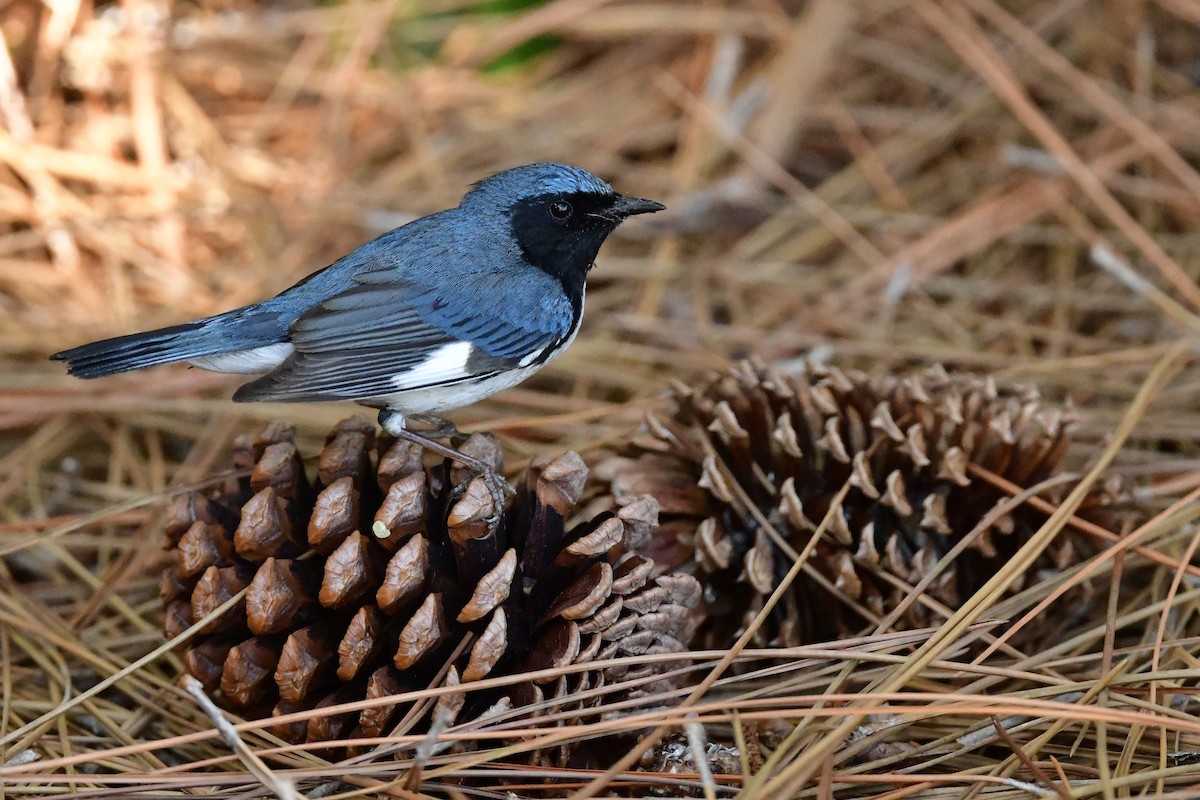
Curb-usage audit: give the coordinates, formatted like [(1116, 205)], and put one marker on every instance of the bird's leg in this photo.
[(439, 427), (393, 423)]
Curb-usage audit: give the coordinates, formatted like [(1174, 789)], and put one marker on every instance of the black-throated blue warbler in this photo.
[(431, 316)]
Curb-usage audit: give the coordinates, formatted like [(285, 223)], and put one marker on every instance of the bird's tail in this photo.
[(204, 337)]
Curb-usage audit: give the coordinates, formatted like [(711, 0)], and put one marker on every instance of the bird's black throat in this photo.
[(564, 248)]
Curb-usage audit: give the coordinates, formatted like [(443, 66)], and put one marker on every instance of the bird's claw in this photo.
[(500, 490)]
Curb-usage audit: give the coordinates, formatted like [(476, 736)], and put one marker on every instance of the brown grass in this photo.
[(1010, 189)]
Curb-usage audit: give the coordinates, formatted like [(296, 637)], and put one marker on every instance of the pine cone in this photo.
[(382, 576), (756, 445)]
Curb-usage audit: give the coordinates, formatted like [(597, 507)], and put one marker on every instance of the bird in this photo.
[(431, 316)]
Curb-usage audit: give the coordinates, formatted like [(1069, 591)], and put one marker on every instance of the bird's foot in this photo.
[(500, 489), (393, 422)]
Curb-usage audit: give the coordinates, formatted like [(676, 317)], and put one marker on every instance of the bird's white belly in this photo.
[(447, 396)]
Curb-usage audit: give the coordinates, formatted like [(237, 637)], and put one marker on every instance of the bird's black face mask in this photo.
[(560, 234)]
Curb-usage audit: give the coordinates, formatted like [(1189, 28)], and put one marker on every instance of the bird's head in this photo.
[(559, 215)]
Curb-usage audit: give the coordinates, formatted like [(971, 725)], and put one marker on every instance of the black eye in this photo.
[(560, 209)]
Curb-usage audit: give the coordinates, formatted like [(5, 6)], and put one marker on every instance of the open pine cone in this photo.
[(382, 576), (757, 446)]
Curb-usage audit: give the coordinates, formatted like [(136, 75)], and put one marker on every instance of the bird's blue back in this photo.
[(451, 254)]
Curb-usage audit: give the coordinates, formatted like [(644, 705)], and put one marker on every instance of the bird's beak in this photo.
[(624, 207)]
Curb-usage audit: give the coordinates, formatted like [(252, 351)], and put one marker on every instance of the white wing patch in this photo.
[(447, 363), (246, 362)]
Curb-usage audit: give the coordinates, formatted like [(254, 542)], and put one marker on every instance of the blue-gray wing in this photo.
[(384, 336)]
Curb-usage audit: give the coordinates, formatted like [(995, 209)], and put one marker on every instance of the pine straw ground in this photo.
[(1007, 190)]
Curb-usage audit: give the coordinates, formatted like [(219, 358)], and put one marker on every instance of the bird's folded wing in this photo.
[(382, 338)]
